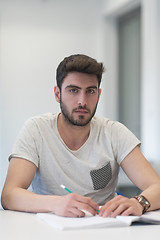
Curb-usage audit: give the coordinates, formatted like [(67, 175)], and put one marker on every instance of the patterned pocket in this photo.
[(101, 177)]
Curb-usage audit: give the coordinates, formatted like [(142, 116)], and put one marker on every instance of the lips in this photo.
[(81, 111)]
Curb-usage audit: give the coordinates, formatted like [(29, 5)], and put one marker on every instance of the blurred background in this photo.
[(35, 35)]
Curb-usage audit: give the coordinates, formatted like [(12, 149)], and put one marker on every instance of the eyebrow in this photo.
[(74, 86)]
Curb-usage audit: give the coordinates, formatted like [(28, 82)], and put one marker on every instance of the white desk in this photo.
[(27, 226)]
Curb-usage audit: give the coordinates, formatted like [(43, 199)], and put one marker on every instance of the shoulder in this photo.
[(113, 129), (106, 123), (47, 118), (122, 140), (37, 124)]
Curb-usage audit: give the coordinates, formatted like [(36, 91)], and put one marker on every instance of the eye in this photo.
[(73, 90), (90, 91)]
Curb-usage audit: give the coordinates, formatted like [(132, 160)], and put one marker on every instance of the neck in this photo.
[(73, 136)]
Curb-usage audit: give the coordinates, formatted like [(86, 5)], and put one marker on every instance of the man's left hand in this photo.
[(120, 205)]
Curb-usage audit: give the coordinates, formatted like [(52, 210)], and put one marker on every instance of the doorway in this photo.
[(129, 33)]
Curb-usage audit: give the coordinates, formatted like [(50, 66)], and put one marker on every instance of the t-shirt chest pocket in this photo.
[(101, 177)]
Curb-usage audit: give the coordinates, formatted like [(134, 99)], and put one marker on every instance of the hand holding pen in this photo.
[(70, 205)]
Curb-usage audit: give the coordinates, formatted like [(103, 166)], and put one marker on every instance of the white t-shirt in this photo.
[(92, 170)]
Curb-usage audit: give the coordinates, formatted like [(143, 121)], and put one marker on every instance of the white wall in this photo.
[(35, 35)]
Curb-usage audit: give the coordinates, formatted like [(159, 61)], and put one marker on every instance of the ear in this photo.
[(99, 93), (57, 93)]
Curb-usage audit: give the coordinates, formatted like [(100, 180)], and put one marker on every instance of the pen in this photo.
[(62, 186)]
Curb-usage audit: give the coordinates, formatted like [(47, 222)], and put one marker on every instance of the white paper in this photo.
[(67, 223)]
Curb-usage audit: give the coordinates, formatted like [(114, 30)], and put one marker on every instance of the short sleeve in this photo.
[(27, 144), (123, 141)]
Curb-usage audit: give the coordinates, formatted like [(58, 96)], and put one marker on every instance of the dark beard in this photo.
[(71, 120)]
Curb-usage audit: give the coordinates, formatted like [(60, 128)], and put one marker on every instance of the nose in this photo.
[(82, 99)]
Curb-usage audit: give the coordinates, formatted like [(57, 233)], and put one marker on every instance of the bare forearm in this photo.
[(69, 205), (152, 193), (23, 200)]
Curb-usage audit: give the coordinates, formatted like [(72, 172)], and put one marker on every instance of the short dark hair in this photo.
[(78, 63)]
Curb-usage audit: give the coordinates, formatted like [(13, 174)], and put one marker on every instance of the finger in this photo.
[(127, 212), (125, 208), (85, 203), (107, 211), (85, 207), (120, 210), (77, 212), (89, 201), (108, 208), (132, 210), (73, 213)]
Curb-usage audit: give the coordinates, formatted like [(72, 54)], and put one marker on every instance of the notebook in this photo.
[(89, 221)]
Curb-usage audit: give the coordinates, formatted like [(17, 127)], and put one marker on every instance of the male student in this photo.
[(79, 150)]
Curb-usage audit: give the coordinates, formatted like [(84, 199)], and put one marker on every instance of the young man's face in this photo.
[(79, 97)]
